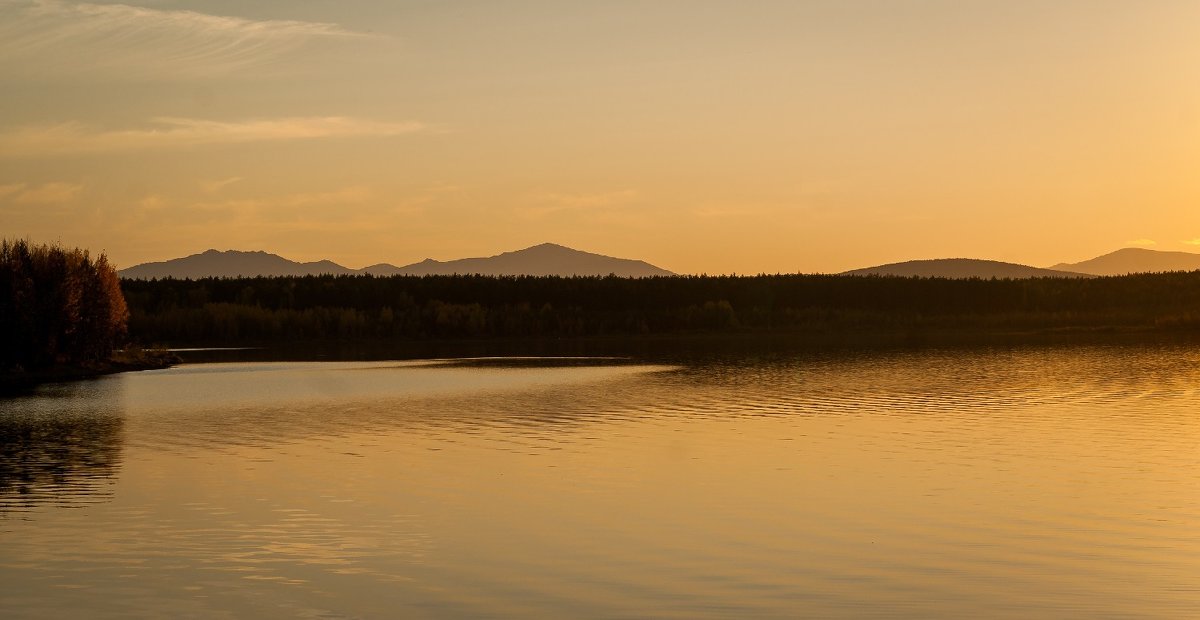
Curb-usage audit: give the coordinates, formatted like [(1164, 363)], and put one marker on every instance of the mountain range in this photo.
[(1121, 262), (540, 260), (551, 259)]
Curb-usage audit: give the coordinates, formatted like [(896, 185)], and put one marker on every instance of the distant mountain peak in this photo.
[(1135, 260), (961, 268), (543, 259), (231, 263), (216, 252)]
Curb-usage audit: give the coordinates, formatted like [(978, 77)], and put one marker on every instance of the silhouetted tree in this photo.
[(57, 306), (264, 309)]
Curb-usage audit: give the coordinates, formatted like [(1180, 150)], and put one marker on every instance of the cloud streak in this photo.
[(549, 203), (212, 187), (76, 38), (44, 194), (170, 132)]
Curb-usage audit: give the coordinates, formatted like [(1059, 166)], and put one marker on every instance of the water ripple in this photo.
[(1007, 483)]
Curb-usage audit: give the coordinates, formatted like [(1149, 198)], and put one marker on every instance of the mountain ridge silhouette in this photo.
[(1135, 260), (550, 259), (546, 259), (961, 268)]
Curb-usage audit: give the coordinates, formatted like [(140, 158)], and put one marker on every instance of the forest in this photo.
[(242, 311), (58, 307)]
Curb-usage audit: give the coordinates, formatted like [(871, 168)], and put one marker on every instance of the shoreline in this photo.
[(649, 346), (655, 346), (122, 361)]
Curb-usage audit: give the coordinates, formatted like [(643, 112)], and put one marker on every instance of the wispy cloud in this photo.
[(720, 212), (289, 204), (168, 132), (1193, 241), (355, 194), (1141, 242), (212, 187), (548, 203), (352, 207), (152, 202), (46, 193), (52, 36)]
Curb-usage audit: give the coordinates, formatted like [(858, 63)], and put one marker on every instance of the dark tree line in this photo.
[(246, 310), (57, 306)]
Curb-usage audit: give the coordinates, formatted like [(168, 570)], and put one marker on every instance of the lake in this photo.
[(1053, 482)]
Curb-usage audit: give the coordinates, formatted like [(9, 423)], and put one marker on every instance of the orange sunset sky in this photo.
[(700, 136)]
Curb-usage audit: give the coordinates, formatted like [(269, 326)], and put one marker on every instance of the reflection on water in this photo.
[(997, 483), (64, 446)]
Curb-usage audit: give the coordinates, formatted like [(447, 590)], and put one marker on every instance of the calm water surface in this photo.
[(1021, 483)]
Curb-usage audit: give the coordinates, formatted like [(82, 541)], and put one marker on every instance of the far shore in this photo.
[(644, 346), (678, 345)]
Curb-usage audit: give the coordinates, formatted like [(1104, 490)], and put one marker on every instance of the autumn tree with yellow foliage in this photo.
[(58, 306)]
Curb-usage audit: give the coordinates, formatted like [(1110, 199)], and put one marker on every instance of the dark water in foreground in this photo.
[(992, 484)]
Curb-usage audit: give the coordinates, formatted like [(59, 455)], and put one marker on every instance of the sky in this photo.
[(700, 136)]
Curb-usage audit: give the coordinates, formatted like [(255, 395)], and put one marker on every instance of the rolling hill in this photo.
[(1134, 260), (230, 264), (959, 268)]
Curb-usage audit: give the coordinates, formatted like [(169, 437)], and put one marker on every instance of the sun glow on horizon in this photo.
[(811, 137)]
